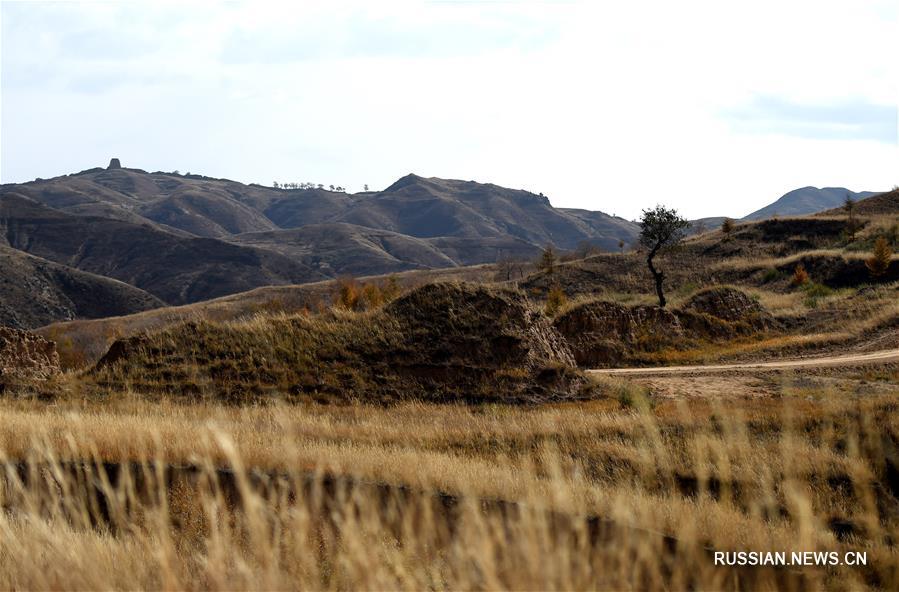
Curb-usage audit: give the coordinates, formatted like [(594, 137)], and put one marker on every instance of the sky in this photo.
[(714, 108)]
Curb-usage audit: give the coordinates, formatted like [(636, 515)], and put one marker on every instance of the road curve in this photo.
[(879, 357)]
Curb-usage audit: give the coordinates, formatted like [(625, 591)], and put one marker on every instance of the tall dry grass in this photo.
[(610, 494)]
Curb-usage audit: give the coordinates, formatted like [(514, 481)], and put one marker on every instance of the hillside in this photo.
[(415, 206), (173, 268), (35, 292), (877, 205), (188, 238), (807, 200)]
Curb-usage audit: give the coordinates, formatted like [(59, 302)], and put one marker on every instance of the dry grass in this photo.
[(81, 343), (771, 474)]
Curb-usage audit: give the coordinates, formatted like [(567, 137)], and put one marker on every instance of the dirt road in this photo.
[(878, 357)]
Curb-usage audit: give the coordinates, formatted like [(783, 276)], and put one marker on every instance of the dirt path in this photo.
[(878, 357)]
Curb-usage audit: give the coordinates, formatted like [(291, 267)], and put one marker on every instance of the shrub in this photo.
[(879, 262), (372, 295), (547, 261), (632, 396), (815, 292), (727, 226), (772, 274), (390, 289), (555, 300), (800, 275), (348, 293)]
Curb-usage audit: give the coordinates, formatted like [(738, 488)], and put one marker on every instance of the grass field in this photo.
[(670, 480)]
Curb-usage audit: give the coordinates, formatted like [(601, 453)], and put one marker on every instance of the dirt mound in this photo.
[(603, 333), (26, 356), (443, 342), (730, 304), (471, 325)]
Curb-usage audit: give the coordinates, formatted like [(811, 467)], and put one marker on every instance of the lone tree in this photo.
[(727, 226), (660, 229), (852, 225), (547, 261), (879, 262)]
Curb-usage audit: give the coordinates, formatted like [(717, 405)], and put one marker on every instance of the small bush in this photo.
[(555, 300), (390, 289), (372, 295), (548, 259), (727, 226), (815, 292), (348, 294), (772, 274), (631, 396), (800, 276), (879, 262)]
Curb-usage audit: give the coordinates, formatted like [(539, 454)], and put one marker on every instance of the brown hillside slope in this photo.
[(35, 292), (877, 205), (173, 268)]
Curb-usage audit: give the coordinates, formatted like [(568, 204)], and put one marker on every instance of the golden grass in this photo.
[(768, 474)]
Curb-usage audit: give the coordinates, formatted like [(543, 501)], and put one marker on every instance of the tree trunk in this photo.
[(657, 275)]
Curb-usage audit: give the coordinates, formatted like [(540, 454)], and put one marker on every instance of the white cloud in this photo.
[(612, 107)]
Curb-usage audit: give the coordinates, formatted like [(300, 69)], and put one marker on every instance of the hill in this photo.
[(35, 292), (877, 205), (173, 268), (415, 206), (441, 342), (807, 200), (189, 238)]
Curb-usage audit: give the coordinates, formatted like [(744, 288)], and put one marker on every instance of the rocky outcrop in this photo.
[(26, 356), (114, 164)]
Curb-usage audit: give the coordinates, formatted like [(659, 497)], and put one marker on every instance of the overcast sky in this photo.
[(716, 108)]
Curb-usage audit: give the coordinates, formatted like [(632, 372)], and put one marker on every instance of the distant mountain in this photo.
[(807, 200), (185, 238)]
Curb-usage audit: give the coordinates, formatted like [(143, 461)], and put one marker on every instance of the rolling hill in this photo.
[(35, 292), (187, 238), (173, 268), (807, 200)]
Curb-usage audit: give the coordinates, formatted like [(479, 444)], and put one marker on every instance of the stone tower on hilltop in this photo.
[(114, 164)]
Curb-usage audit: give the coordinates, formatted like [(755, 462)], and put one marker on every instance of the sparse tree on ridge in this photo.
[(660, 229), (727, 226), (851, 224), (547, 261)]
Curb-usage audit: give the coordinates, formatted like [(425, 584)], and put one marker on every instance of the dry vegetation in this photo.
[(345, 436), (622, 492)]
